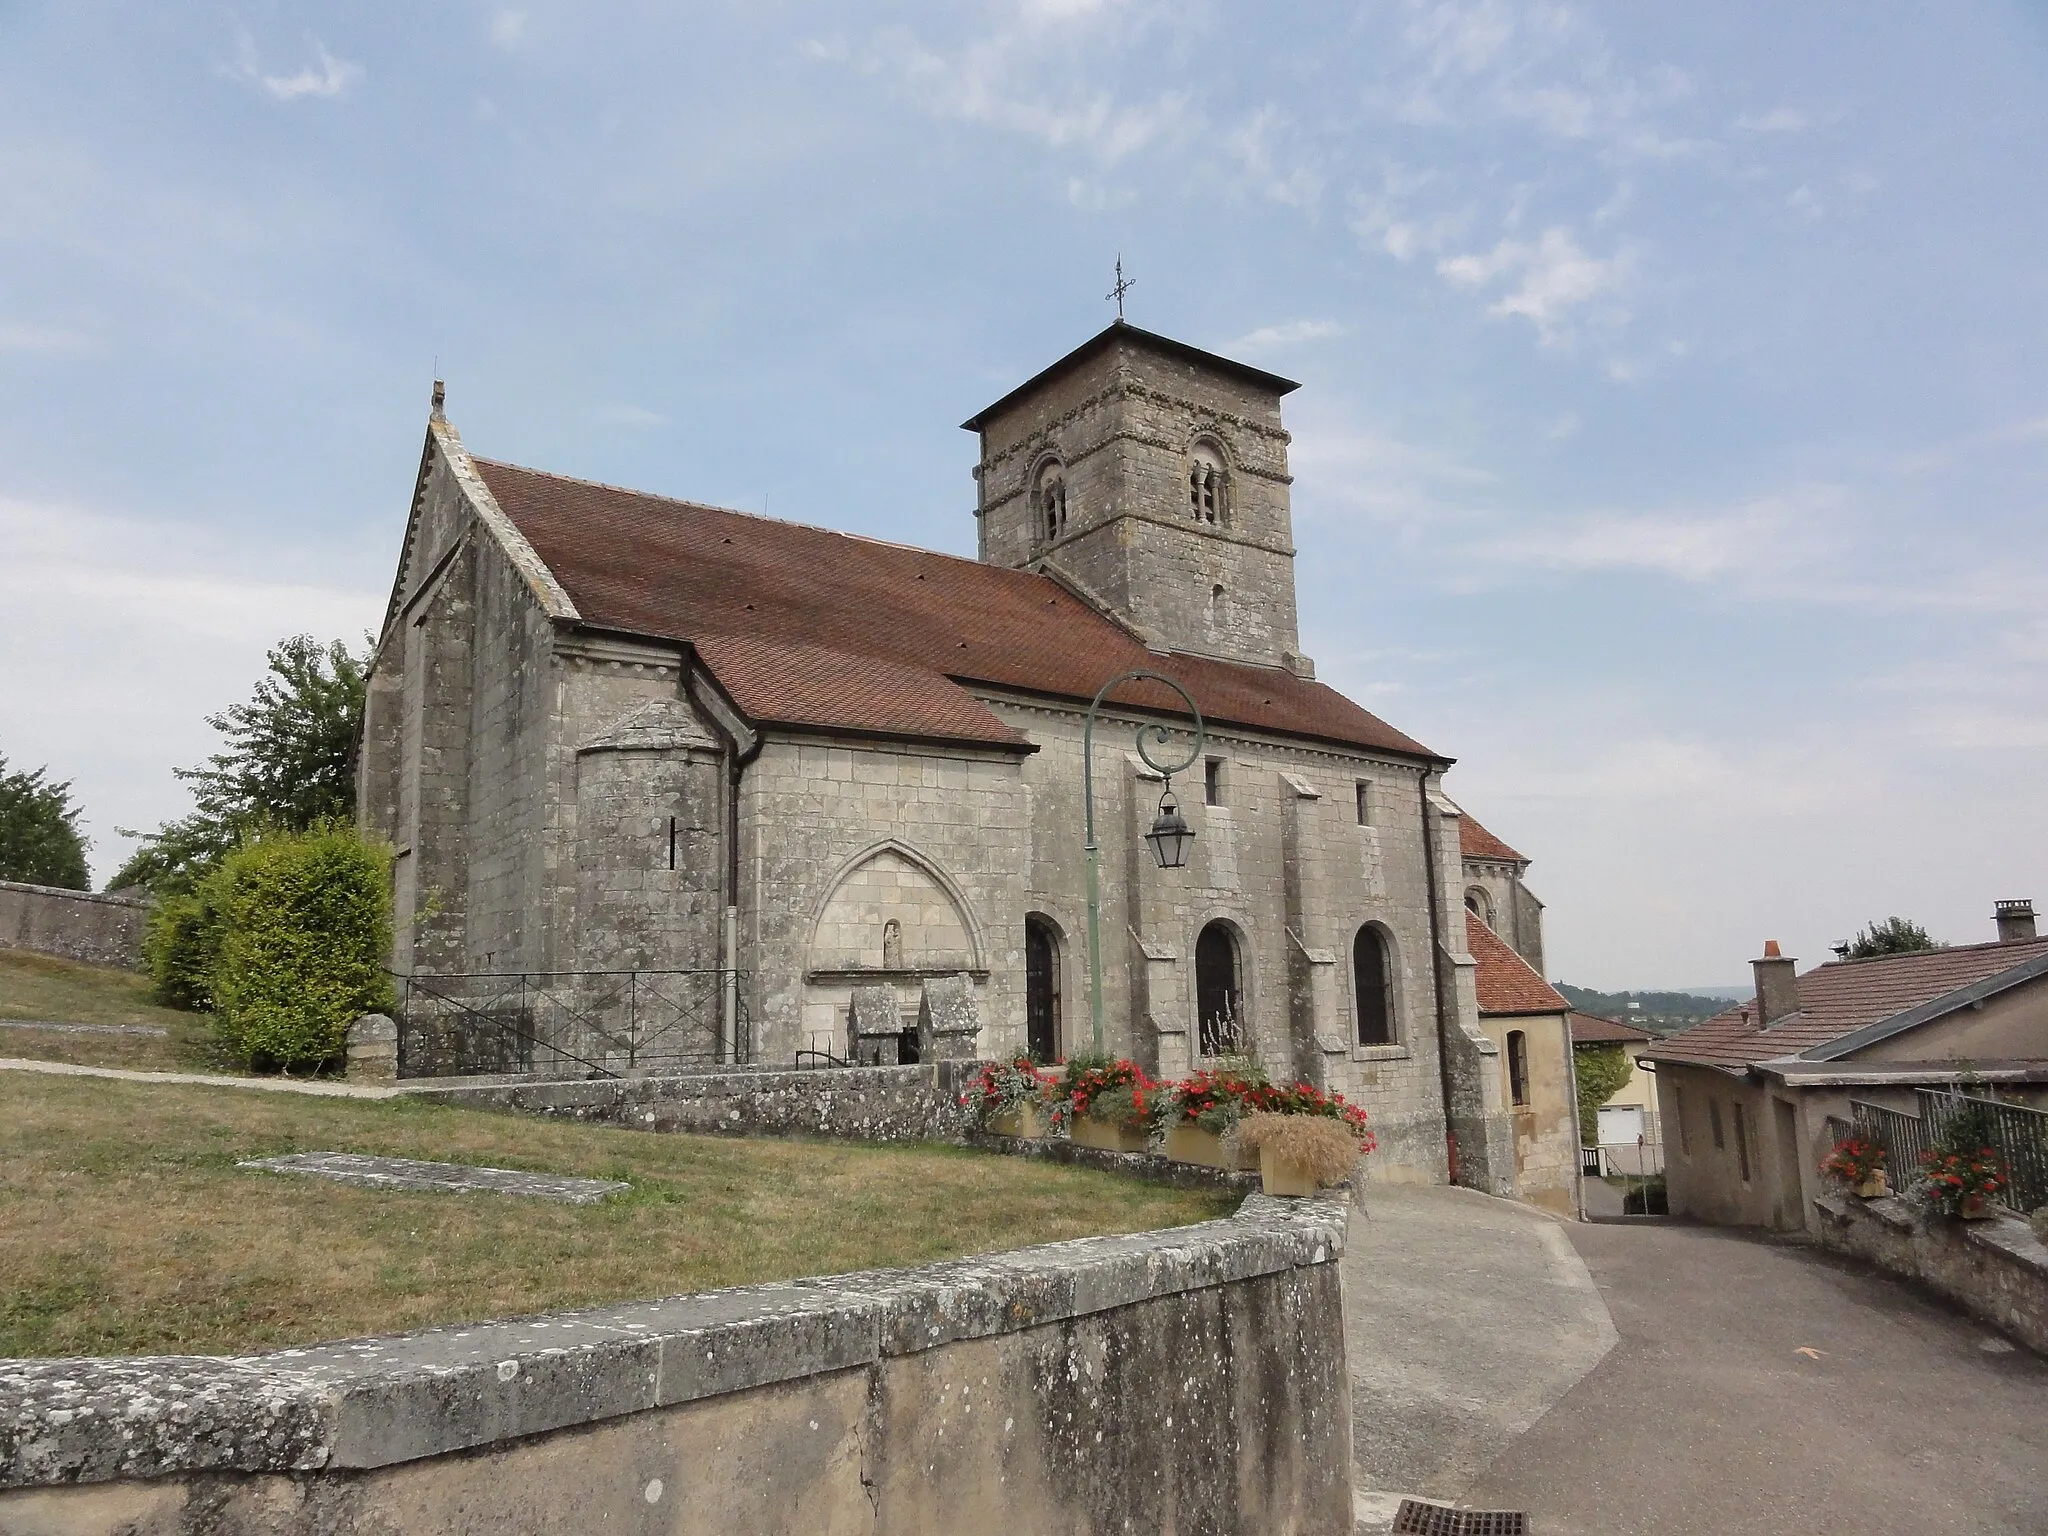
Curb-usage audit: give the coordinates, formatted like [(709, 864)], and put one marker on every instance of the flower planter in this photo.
[(1284, 1176), (1189, 1143), (1977, 1208), (1026, 1122), (1876, 1187), (1108, 1135)]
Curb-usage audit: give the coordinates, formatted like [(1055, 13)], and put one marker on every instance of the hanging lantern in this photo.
[(1170, 836)]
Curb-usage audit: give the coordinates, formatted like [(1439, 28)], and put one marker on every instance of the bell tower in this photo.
[(1153, 477)]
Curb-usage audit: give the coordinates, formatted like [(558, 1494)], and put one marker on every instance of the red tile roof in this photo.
[(1507, 983), (1838, 998), (1475, 842), (805, 626), (1591, 1029)]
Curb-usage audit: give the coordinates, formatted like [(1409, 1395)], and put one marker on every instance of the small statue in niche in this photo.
[(892, 945)]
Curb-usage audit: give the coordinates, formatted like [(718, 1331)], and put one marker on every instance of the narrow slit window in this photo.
[(1364, 803), (671, 842), (1212, 781), (1742, 1142), (1518, 1067)]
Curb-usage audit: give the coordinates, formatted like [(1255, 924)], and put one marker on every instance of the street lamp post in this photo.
[(1170, 834)]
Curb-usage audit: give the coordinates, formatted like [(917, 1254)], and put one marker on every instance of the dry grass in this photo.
[(125, 1226), (1326, 1147), (43, 987)]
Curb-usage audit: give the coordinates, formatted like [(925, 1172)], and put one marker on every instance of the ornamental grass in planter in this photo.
[(1306, 1139), (1011, 1098), (1107, 1103), (1858, 1162)]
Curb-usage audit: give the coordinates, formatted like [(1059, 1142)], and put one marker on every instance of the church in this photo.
[(771, 789)]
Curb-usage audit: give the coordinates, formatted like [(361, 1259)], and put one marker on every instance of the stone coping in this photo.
[(367, 1403), (2006, 1233), (105, 898)]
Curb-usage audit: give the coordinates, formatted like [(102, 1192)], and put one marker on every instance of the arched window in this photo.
[(1050, 499), (1041, 989), (1219, 994), (1480, 905), (1518, 1067), (1372, 984), (1208, 485)]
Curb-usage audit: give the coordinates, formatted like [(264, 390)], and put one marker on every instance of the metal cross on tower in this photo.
[(1123, 286)]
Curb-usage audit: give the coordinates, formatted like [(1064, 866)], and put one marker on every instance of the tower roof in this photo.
[(1130, 335)]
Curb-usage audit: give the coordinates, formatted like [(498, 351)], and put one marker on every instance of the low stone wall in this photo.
[(76, 925), (920, 1103), (1996, 1270), (1191, 1380)]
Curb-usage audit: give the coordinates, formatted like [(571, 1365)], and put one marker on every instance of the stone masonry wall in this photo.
[(75, 925), (1191, 1380), (1123, 425), (1996, 1269)]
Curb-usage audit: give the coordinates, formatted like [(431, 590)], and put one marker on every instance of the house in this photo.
[(1525, 1018), (669, 783), (1628, 1138), (1747, 1096)]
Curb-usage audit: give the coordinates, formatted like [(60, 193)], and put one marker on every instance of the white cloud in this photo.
[(41, 338), (1552, 277), (1287, 335), (327, 77), (1777, 120), (1256, 143), (1761, 544), (124, 635), (508, 29)]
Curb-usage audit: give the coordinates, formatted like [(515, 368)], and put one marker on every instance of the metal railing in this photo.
[(556, 1023), (2019, 1135)]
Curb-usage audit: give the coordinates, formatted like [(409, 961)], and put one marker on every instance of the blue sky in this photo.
[(1672, 446)]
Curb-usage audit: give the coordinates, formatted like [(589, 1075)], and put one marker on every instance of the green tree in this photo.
[(1601, 1071), (1893, 936), (289, 764), (40, 843)]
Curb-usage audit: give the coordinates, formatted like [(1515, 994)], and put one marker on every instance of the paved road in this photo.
[(1644, 1379), (1465, 1319), (1707, 1418)]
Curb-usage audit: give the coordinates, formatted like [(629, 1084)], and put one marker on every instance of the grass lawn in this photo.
[(36, 986), (126, 1228)]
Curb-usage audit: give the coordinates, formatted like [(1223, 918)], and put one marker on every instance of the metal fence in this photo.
[(2019, 1135), (557, 1023)]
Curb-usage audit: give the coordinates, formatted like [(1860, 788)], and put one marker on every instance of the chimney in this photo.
[(2015, 921), (1777, 988)]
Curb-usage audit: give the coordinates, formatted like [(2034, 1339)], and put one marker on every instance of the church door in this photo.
[(1219, 1001), (1041, 990)]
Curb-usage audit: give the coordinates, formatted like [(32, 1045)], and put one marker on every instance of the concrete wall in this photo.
[(1190, 1380), (2013, 1026), (1996, 1269), (77, 925), (1545, 1131), (1781, 1130)]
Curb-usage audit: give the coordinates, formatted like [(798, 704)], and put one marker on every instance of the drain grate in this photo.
[(1418, 1519)]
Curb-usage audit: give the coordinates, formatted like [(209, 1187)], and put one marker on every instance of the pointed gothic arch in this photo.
[(838, 930)]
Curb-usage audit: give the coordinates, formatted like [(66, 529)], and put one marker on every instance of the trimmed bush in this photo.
[(181, 944), (305, 929)]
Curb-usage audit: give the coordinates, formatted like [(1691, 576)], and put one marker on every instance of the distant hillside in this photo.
[(1661, 1012)]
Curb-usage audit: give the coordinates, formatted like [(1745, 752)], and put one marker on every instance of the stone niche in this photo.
[(893, 924)]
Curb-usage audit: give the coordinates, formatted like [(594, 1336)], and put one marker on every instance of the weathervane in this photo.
[(1123, 286)]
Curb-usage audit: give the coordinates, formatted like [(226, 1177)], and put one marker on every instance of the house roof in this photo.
[(1121, 331), (1591, 1029), (1475, 842), (1848, 1004), (807, 627), (1507, 982)]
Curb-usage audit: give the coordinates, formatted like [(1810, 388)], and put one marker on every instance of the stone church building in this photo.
[(615, 734)]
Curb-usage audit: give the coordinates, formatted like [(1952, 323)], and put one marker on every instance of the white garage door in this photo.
[(1621, 1125)]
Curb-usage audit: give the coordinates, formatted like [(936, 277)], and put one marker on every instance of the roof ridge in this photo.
[(758, 517), (1939, 949)]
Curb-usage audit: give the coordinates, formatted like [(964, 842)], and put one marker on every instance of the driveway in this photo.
[(1750, 1385)]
